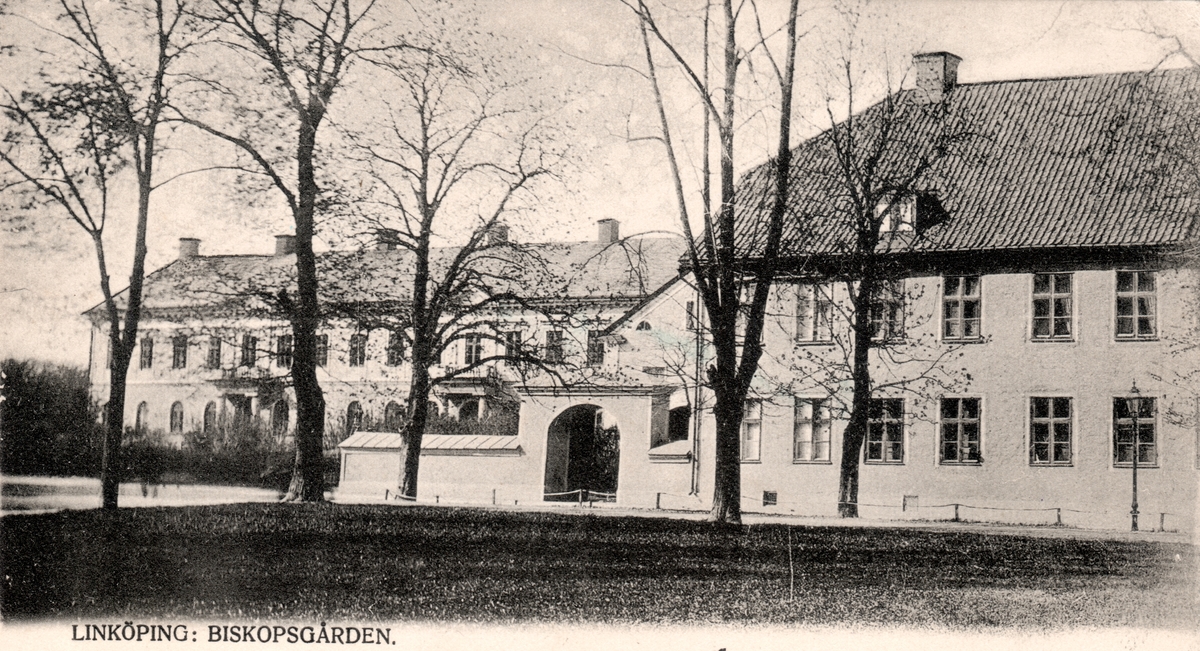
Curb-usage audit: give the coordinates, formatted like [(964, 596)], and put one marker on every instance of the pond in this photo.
[(32, 494)]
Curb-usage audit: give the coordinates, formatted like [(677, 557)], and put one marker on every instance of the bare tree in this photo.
[(70, 135), (302, 53), (720, 276)]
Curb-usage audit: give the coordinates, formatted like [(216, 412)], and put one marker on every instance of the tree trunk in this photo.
[(727, 483), (856, 429), (110, 465), (418, 397), (308, 476)]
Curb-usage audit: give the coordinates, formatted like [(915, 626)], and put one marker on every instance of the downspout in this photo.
[(696, 411)]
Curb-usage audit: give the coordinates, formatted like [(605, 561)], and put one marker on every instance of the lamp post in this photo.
[(1134, 405)]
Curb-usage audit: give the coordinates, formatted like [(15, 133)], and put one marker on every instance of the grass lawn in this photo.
[(415, 563)]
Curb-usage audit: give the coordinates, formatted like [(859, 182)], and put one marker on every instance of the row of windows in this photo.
[(357, 350), (241, 415), (962, 308), (1051, 435)]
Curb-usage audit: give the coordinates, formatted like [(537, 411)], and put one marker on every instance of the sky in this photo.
[(574, 51)]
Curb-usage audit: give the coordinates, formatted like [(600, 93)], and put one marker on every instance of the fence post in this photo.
[(1058, 517), (579, 495), (437, 499), (493, 497), (1162, 521), (658, 500), (956, 513)]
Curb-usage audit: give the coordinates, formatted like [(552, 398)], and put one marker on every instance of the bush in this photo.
[(246, 454), (48, 423), (499, 422)]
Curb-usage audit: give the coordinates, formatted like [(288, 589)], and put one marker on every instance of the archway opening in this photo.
[(583, 451)]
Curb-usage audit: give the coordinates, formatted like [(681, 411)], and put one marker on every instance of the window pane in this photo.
[(1041, 432), (1040, 407), (1062, 283), (1062, 407), (1041, 284), (1062, 452), (1062, 432), (949, 408), (970, 408), (951, 287), (1146, 281), (1124, 306), (1124, 281)]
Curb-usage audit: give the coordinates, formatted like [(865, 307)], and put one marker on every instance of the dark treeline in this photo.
[(48, 424)]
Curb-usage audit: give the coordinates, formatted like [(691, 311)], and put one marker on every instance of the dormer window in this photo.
[(896, 214)]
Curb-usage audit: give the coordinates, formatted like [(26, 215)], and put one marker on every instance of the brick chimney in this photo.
[(189, 247), (937, 74), (610, 231), (285, 244), (388, 239)]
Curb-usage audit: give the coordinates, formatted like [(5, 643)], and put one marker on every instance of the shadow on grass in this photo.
[(414, 563)]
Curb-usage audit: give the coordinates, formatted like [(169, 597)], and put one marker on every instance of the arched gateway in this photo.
[(582, 453)]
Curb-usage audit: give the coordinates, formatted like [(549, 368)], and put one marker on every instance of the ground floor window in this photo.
[(885, 431), (810, 437), (210, 418), (177, 417), (354, 415), (1128, 417), (751, 448), (1050, 431), (960, 430)]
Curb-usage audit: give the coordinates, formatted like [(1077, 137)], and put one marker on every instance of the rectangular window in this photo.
[(358, 349), (810, 431), (249, 350), (814, 312), (474, 349), (691, 315), (960, 431), (960, 308), (751, 448), (595, 348), (214, 352), (885, 431), (322, 352), (887, 311), (1050, 431), (554, 347), (1052, 306), (395, 348), (179, 346), (512, 344), (146, 359), (1136, 305), (1124, 443), (283, 351)]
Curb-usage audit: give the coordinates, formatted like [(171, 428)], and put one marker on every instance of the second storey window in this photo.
[(322, 352), (595, 348), (960, 430), (554, 347), (283, 351), (960, 307), (751, 448), (474, 349), (214, 352), (146, 358), (249, 349), (1050, 431), (887, 311), (885, 431), (179, 346), (1136, 305), (1126, 441), (512, 344), (358, 349), (1052, 306), (691, 315), (810, 434), (814, 313), (395, 348)]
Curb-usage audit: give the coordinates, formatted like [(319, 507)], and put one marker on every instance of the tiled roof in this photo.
[(435, 444), (555, 271), (1098, 161)]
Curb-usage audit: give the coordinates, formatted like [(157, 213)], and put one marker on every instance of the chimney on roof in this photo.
[(496, 234), (189, 247), (610, 231), (387, 239), (937, 74), (285, 244)]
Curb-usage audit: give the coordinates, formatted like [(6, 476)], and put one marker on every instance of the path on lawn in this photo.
[(752, 518)]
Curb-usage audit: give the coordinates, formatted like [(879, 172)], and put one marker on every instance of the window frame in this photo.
[(284, 351), (1135, 295), (891, 327), (514, 346), (554, 347), (175, 424), (813, 324), (395, 348), (321, 350), (595, 348), (357, 353), (179, 346), (214, 352), (885, 444), (1051, 420), (1142, 423), (249, 351), (962, 299), (146, 352), (960, 421), (752, 411), (818, 407), (1053, 296), (472, 349)]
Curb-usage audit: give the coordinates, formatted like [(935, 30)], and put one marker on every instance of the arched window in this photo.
[(353, 418), (393, 417), (210, 418), (143, 413), (279, 418), (177, 417)]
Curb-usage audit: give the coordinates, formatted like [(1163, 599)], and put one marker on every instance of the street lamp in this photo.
[(1134, 404)]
